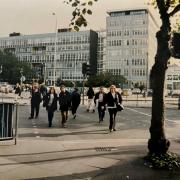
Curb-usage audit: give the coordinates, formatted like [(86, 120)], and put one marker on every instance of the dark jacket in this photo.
[(75, 98), (103, 103), (64, 101), (53, 106), (90, 93), (35, 97), (112, 101), (18, 90)]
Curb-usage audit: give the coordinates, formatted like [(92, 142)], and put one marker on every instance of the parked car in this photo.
[(136, 91), (6, 88), (175, 93), (126, 92)]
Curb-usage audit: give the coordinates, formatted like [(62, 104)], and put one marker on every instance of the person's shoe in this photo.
[(30, 117), (87, 110), (111, 130), (74, 116), (114, 129), (93, 111)]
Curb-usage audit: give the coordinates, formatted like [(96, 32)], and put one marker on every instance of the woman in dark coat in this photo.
[(113, 98), (76, 100), (65, 104), (35, 101), (50, 102)]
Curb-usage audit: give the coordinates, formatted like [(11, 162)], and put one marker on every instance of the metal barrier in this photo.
[(8, 127)]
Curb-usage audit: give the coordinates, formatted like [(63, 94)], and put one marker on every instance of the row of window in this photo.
[(126, 72), (124, 22), (128, 42), (45, 41), (66, 57), (139, 13), (173, 77), (127, 32)]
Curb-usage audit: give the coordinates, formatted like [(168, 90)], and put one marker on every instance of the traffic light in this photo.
[(86, 69)]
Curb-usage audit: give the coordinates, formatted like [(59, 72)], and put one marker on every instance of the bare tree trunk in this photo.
[(158, 143)]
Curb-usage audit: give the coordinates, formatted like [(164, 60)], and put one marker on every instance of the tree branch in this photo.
[(162, 7), (175, 10)]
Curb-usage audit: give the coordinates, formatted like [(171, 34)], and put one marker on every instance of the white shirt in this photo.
[(51, 99), (100, 97)]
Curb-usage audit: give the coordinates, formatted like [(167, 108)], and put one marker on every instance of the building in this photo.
[(101, 59), (173, 77), (72, 49), (131, 44)]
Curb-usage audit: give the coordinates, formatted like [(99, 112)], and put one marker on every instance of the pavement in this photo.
[(85, 149)]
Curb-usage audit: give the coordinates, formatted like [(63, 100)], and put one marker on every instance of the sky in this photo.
[(35, 16)]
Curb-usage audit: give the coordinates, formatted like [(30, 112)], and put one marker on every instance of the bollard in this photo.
[(179, 102)]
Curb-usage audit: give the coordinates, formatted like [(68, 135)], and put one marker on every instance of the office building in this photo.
[(131, 44), (72, 49)]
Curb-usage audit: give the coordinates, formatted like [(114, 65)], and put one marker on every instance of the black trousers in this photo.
[(34, 107), (101, 112), (112, 114), (74, 108), (50, 116), (64, 115)]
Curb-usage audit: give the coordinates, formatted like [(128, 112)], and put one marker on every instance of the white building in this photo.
[(131, 44), (173, 77), (72, 49), (101, 58)]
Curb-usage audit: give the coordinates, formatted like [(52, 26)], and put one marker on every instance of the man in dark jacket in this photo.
[(101, 98), (90, 95), (35, 101), (75, 100), (65, 104)]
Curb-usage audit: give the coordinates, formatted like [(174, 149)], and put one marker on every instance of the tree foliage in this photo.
[(81, 9), (105, 79), (11, 68)]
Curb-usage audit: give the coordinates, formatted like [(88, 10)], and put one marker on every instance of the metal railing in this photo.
[(8, 126)]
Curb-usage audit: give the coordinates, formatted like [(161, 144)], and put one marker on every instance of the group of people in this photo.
[(50, 100), (111, 101)]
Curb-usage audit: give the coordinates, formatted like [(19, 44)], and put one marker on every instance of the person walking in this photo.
[(113, 100), (90, 95), (65, 104), (50, 102), (100, 98), (35, 101), (75, 101), (17, 91)]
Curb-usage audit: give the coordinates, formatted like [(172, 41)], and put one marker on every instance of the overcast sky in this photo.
[(35, 16)]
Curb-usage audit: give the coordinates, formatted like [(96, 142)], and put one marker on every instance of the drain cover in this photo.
[(105, 149)]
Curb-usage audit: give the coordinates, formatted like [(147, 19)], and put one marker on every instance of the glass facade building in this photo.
[(72, 49), (131, 44)]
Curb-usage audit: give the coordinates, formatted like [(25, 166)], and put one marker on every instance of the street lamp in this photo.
[(55, 51)]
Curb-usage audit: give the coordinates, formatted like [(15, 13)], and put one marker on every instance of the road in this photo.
[(131, 123)]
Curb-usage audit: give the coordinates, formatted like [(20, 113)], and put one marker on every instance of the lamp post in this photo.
[(55, 52)]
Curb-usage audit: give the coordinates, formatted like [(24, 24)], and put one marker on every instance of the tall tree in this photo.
[(11, 68), (158, 143)]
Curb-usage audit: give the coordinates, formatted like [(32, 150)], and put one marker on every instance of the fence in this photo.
[(8, 127)]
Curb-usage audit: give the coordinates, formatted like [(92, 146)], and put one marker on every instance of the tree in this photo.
[(105, 79), (11, 68), (158, 143)]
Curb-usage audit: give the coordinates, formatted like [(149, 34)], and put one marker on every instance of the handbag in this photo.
[(120, 107)]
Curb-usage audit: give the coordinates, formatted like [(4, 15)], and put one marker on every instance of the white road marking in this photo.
[(173, 121)]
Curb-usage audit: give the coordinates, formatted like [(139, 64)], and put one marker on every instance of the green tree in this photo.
[(158, 143), (11, 68), (105, 79)]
